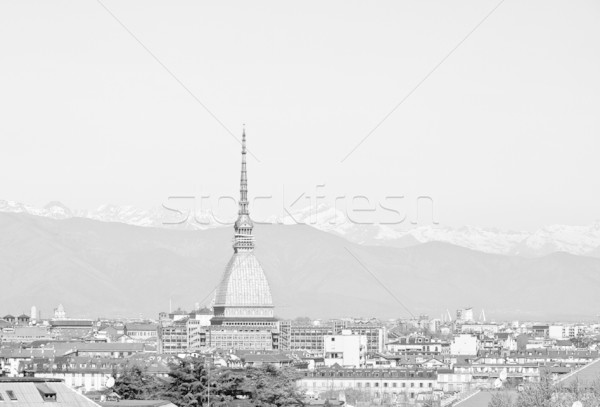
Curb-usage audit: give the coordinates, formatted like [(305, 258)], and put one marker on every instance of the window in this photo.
[(11, 394)]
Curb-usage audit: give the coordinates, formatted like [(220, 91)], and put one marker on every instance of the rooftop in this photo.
[(30, 392), (136, 403)]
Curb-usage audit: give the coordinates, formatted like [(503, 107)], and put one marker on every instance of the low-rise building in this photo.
[(416, 344), (464, 344), (25, 334), (387, 384), (141, 331)]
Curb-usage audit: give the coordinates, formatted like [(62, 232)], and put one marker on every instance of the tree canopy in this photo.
[(190, 384)]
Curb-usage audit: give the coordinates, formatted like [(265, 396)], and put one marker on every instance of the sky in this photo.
[(493, 116)]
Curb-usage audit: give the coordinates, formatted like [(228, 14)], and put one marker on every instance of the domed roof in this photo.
[(244, 283)]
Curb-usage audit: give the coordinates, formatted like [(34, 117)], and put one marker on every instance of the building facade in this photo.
[(393, 385)]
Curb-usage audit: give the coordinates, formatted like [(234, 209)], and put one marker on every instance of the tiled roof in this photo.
[(141, 327), (92, 347), (586, 374), (15, 353), (27, 392), (481, 399), (136, 403), (266, 358), (72, 322)]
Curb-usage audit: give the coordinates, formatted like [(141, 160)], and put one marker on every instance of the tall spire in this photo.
[(243, 240)]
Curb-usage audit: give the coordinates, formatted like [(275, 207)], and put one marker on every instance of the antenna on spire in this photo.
[(244, 140)]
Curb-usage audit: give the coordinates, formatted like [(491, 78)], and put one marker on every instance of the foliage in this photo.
[(537, 394), (270, 386), (501, 399), (134, 383), (303, 320), (190, 385), (547, 394)]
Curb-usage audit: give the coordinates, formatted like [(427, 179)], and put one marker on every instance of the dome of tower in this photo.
[(244, 284)]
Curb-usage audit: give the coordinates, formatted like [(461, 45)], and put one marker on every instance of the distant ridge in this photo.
[(579, 240), (112, 269)]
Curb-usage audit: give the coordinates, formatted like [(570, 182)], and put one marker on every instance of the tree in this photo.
[(537, 394), (225, 385), (272, 386), (135, 383), (303, 320), (188, 383), (501, 399)]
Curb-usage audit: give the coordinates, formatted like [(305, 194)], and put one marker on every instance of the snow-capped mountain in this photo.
[(156, 217), (578, 240)]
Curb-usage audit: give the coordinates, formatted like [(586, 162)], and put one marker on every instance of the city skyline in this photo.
[(300, 204)]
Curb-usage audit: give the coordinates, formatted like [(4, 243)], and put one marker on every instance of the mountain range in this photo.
[(100, 268), (578, 240)]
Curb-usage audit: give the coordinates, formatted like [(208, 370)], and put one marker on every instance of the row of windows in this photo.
[(403, 385), (363, 373), (394, 384)]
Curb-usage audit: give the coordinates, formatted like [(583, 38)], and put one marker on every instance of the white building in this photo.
[(346, 350), (434, 325), (464, 345), (402, 386), (465, 314), (564, 331)]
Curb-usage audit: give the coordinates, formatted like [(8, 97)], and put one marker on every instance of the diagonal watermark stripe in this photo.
[(172, 74), (214, 290), (379, 282), (423, 80)]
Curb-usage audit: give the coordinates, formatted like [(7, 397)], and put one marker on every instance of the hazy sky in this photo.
[(504, 133)]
